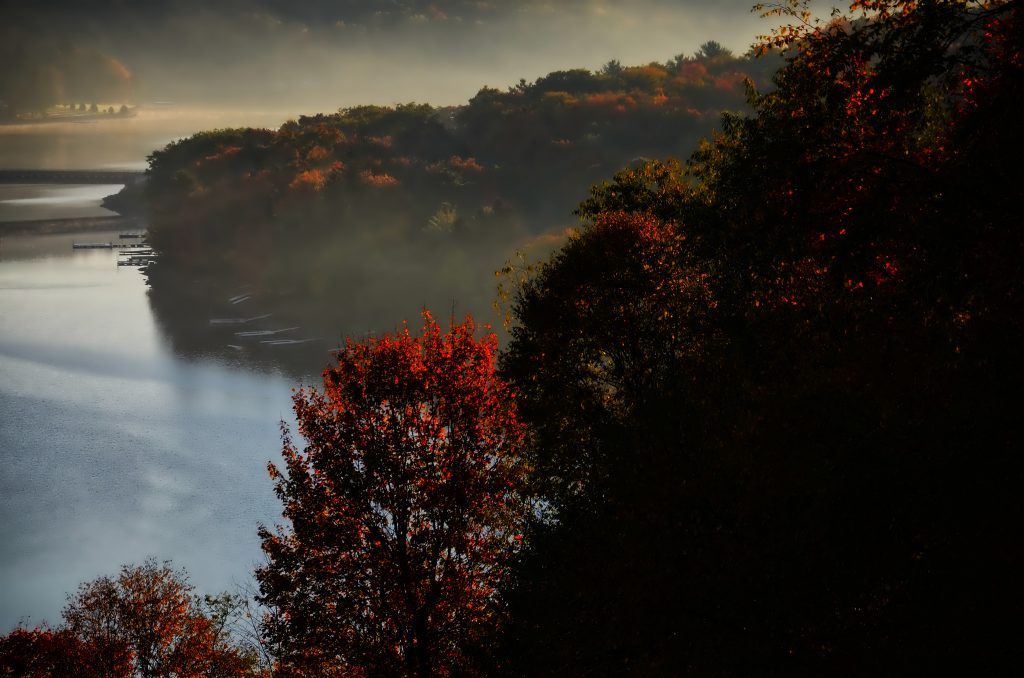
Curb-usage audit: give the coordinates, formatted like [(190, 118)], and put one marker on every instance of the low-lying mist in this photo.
[(508, 165), (321, 56)]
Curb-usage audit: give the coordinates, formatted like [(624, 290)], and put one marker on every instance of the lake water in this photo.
[(26, 202), (112, 448), (118, 144)]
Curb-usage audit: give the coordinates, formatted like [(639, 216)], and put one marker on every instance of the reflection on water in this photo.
[(111, 448), (124, 436), (25, 202)]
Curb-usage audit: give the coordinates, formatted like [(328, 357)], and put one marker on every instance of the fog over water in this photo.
[(21, 202), (322, 55), (116, 445), (120, 144)]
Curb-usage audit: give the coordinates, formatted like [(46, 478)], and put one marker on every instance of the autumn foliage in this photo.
[(146, 622), (759, 415), (403, 508), (819, 468), (44, 652)]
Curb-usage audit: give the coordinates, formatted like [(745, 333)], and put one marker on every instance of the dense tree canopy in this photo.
[(410, 204), (46, 653), (817, 473), (403, 509), (554, 136), (758, 415)]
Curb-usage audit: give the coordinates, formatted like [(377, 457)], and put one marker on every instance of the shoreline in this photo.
[(72, 117), (68, 225)]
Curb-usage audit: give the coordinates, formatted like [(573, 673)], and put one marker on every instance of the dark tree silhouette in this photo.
[(819, 473)]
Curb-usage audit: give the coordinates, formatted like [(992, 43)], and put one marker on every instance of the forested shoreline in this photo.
[(346, 223), (757, 415)]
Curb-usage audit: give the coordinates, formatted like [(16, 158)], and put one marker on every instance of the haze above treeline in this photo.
[(320, 55)]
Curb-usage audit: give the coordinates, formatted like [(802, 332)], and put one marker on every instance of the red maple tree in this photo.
[(403, 507)]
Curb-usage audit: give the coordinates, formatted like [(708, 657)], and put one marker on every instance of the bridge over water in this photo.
[(37, 176)]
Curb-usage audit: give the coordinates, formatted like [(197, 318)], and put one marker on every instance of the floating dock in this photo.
[(108, 245)]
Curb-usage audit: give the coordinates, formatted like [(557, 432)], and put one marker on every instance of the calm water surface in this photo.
[(117, 144), (111, 448), (27, 202)]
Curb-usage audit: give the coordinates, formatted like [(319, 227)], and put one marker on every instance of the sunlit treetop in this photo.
[(404, 507)]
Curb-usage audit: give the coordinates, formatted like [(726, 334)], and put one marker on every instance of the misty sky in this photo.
[(319, 55)]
